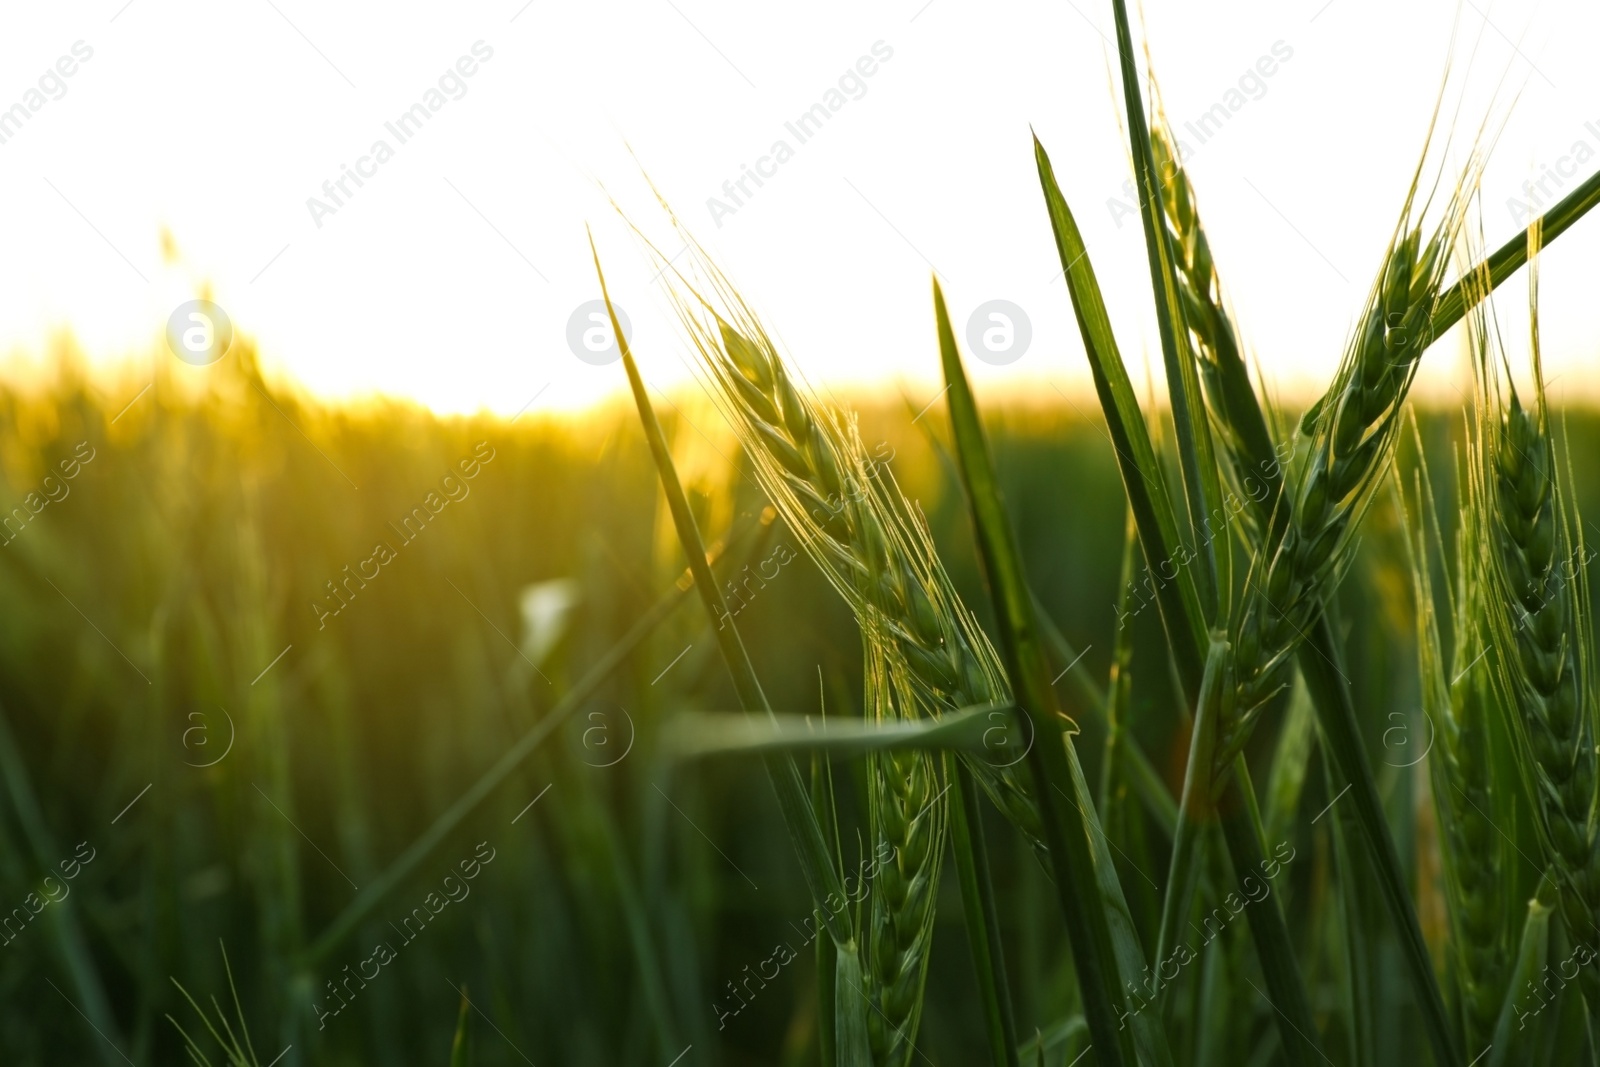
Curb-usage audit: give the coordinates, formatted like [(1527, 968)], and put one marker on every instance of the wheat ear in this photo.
[(918, 638), (870, 542), (1532, 569), (1476, 859), (1215, 338), (909, 820), (1349, 438)]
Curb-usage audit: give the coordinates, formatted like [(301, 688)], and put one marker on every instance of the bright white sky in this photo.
[(450, 275)]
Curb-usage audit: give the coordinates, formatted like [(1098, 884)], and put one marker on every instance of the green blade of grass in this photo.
[(822, 803), (827, 997), (1123, 761), (1286, 989), (850, 1006), (979, 910), (1055, 1037), (1516, 1035), (1197, 806), (1510, 257), (805, 834), (1201, 481), (1360, 940), (1143, 776), (65, 931), (1132, 760), (1071, 832), (460, 1054), (1290, 761), (1118, 697), (693, 735), (1130, 436), (1319, 658)]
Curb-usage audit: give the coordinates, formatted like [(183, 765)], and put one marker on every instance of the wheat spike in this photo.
[(1349, 433), (1349, 438), (924, 651), (870, 542), (906, 814), (1477, 861), (1531, 565), (1215, 338)]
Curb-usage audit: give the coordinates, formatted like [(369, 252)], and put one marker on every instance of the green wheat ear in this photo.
[(1457, 697), (906, 815), (870, 542), (1218, 349), (924, 651), (1531, 565)]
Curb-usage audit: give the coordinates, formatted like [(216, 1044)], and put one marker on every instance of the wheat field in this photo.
[(755, 724)]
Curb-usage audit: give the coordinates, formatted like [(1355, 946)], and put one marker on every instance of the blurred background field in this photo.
[(145, 606)]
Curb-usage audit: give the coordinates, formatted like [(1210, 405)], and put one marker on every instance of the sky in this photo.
[(201, 145)]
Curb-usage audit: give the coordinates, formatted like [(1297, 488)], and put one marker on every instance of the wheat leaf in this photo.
[(460, 1053), (1523, 1016), (1071, 830), (1202, 486), (697, 734), (981, 915), (1130, 436)]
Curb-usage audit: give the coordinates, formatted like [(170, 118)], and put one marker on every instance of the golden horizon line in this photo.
[(29, 372)]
